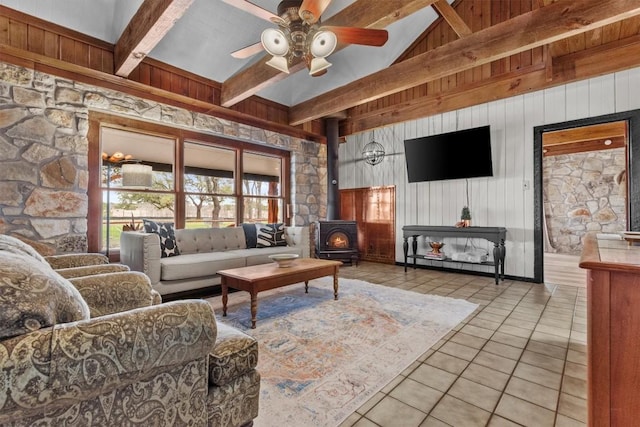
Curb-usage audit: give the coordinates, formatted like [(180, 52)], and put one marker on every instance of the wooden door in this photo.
[(374, 211)]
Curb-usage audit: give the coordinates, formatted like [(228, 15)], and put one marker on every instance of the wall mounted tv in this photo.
[(453, 155)]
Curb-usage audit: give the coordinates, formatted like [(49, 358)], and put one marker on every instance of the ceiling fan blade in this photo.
[(364, 36), (254, 10), (248, 51), (310, 10)]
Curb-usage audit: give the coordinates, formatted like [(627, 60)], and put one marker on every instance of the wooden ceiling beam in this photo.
[(527, 31), (148, 26), (362, 13), (453, 19)]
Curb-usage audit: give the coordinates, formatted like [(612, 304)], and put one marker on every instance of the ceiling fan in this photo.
[(300, 35)]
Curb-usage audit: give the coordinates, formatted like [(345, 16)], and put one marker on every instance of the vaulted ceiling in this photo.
[(439, 56)]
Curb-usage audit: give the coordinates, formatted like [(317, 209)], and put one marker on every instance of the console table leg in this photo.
[(414, 247), (496, 261), (405, 248), (503, 252)]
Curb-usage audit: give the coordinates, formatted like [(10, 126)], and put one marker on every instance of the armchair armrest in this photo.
[(75, 260), (56, 367), (115, 292), (141, 252), (89, 270)]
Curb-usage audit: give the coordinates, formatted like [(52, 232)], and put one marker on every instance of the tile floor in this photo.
[(519, 359)]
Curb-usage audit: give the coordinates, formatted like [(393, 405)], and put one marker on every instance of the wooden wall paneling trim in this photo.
[(36, 40), (95, 58), (4, 30), (94, 195), (629, 27), (81, 54), (109, 81), (53, 28), (18, 36), (52, 45)]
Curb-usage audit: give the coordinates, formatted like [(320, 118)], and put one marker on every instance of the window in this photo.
[(196, 180)]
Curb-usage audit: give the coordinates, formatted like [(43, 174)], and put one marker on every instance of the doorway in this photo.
[(632, 121)]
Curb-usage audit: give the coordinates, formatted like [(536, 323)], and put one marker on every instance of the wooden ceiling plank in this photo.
[(148, 26), (362, 13), (453, 19), (536, 28)]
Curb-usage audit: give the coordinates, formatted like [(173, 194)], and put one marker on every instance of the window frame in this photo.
[(97, 120)]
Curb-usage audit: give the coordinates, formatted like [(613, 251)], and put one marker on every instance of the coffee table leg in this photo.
[(335, 285), (225, 296), (254, 309), (306, 286)]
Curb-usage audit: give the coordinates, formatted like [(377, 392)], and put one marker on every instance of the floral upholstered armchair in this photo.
[(101, 350)]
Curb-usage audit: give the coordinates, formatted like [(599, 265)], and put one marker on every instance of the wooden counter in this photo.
[(613, 331)]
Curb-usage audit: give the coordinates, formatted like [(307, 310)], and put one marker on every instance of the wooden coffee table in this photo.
[(258, 278)]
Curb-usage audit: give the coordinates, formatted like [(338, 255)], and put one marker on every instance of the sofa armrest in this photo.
[(57, 367), (89, 270), (75, 260), (298, 237), (115, 292), (141, 252)]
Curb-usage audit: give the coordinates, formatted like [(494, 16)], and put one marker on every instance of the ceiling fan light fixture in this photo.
[(275, 42), (279, 63), (323, 44), (317, 65)]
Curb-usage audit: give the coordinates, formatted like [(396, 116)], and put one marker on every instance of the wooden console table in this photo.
[(496, 235), (613, 331)]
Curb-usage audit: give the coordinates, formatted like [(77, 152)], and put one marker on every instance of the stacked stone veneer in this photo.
[(581, 195), (44, 148)]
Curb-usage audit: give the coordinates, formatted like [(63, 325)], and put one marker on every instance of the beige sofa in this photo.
[(203, 252), (96, 350)]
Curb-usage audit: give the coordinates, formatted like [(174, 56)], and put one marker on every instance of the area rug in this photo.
[(321, 359)]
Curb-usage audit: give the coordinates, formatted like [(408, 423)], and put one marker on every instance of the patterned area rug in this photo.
[(321, 359)]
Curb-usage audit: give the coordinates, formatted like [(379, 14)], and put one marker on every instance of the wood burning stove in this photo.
[(337, 240)]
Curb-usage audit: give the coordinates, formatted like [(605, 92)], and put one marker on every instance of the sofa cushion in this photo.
[(199, 240), (269, 235), (168, 245), (235, 353), (198, 265), (33, 296), (250, 234), (18, 247)]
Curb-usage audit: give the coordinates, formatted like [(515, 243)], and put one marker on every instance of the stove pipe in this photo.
[(333, 189)]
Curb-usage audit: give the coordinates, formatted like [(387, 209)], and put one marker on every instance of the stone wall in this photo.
[(44, 148), (581, 195)]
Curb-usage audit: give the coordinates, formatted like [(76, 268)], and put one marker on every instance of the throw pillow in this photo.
[(168, 245), (269, 235), (32, 296), (250, 235)]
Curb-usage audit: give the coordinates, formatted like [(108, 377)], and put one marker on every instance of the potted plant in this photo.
[(465, 216)]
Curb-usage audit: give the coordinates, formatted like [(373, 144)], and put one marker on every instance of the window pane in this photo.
[(263, 210), (208, 169), (128, 207), (210, 211), (261, 175)]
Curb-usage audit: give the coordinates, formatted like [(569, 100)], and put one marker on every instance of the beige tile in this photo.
[(553, 331), (495, 362), (486, 376), (564, 421), (492, 317), (475, 394), (511, 340), (542, 361), (385, 414), (484, 323), (534, 393), (514, 330), (503, 350), (573, 407), (366, 406), (547, 349), (577, 357), (392, 384), (447, 362), (460, 351), (523, 412), (538, 375), (498, 421), (468, 340), (351, 421), (417, 395), (458, 413), (433, 422), (410, 368), (574, 386), (477, 332), (575, 370), (550, 339), (433, 377)]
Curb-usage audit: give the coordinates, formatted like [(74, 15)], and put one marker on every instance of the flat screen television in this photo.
[(454, 155)]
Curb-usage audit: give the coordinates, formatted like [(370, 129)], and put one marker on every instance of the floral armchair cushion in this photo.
[(16, 246), (32, 296)]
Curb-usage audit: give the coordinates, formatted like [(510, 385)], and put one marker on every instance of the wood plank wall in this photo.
[(28, 33), (501, 199), (518, 73)]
